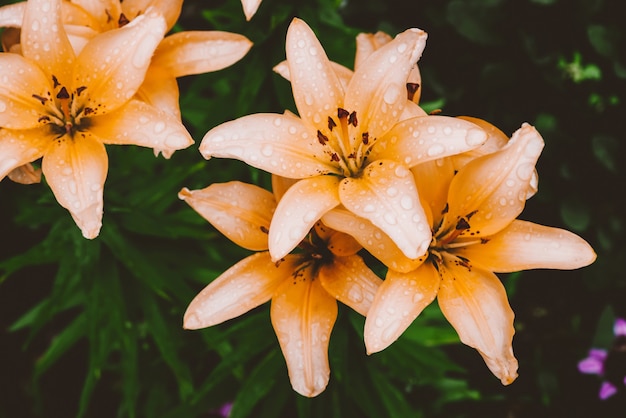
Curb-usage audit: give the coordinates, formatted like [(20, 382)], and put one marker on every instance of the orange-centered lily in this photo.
[(303, 286), (349, 145), (64, 107)]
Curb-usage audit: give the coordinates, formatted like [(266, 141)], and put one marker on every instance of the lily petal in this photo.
[(250, 7), (303, 315), (279, 144), (196, 52), (25, 174), (475, 303), (160, 90), (20, 147), (350, 281), (400, 299), (246, 285), (115, 63), (386, 195), (427, 138), (12, 15), (434, 194), (44, 39), (372, 238), (526, 245), (377, 92), (105, 12), (493, 188), (343, 73), (316, 88), (138, 123), (302, 205), (170, 9), (23, 83), (338, 243), (240, 211), (76, 171)]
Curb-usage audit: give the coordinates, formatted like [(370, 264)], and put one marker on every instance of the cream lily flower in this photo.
[(348, 146), (303, 286), (64, 108), (473, 216), (180, 54), (250, 7)]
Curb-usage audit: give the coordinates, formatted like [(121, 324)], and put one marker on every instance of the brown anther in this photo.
[(123, 20), (352, 119), (323, 139), (435, 112), (462, 225), (63, 94), (80, 90), (44, 119), (264, 229), (365, 136), (331, 123), (411, 89), (41, 99), (55, 81), (88, 111), (445, 210), (334, 157), (342, 113)]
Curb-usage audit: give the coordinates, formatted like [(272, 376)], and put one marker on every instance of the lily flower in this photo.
[(475, 234), (179, 54), (65, 107), (250, 7), (348, 146), (303, 286)]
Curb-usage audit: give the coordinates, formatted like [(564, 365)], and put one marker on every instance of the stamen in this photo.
[(411, 89)]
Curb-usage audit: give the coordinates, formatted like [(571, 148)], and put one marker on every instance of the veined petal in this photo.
[(343, 73), (316, 88), (113, 65), (21, 147), (76, 170), (280, 185), (138, 123), (105, 12), (433, 179), (160, 90), (279, 144), (240, 211), (44, 39), (196, 52), (303, 315), (496, 139), (493, 188), (170, 9), (12, 15), (340, 244), (24, 84), (250, 7), (400, 299), (350, 281), (427, 138), (298, 210), (372, 238), (526, 245), (475, 303), (246, 285), (386, 195), (377, 91), (25, 174)]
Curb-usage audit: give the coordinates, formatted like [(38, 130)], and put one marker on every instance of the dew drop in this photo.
[(390, 218), (159, 127), (406, 202), (392, 191), (475, 137), (392, 94), (401, 48), (355, 294), (369, 208), (447, 130), (267, 150), (435, 149)]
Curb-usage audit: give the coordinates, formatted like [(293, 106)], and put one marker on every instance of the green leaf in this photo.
[(59, 345), (260, 381)]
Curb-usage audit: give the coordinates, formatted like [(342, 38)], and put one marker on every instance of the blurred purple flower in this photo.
[(608, 364)]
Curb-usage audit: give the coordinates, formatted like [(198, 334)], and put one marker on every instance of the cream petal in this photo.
[(12, 15), (338, 243), (160, 90), (246, 285), (23, 83), (138, 123), (44, 40), (344, 73), (475, 303), (493, 188), (303, 315), (170, 9), (105, 12), (377, 91), (400, 299), (316, 88), (25, 174), (240, 211), (112, 66), (372, 238), (280, 185), (526, 245), (21, 147), (196, 52), (279, 144), (386, 195), (434, 194), (298, 210), (76, 170), (349, 280), (250, 7), (421, 139)]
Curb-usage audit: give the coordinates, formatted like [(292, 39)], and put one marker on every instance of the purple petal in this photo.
[(598, 354), (594, 364), (224, 410), (607, 390), (620, 327)]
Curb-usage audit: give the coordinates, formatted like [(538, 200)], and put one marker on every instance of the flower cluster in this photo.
[(363, 168)]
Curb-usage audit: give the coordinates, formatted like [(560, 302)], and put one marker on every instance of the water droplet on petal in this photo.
[(435, 149), (355, 294)]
